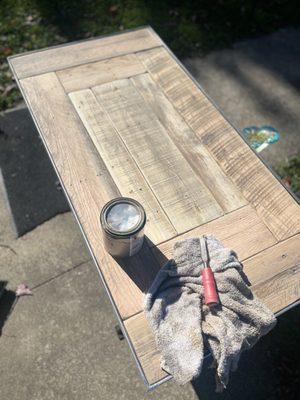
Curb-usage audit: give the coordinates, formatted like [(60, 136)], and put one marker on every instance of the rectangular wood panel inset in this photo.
[(226, 193), (120, 164), (184, 198), (275, 205), (92, 74)]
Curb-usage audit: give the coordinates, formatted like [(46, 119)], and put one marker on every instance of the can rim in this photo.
[(106, 208)]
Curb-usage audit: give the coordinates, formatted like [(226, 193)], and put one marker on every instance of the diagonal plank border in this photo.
[(274, 204)]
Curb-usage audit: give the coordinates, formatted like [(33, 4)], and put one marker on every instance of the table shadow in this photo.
[(270, 370), (7, 302), (143, 267)]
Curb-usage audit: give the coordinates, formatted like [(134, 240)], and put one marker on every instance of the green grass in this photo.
[(21, 29), (186, 26), (290, 174)]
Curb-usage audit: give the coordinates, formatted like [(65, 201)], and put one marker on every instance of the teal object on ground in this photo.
[(260, 137)]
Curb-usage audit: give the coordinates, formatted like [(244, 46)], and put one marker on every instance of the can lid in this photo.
[(123, 216)]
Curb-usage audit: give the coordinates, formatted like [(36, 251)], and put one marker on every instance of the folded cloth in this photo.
[(184, 326)]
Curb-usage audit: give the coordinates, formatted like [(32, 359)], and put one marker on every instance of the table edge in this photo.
[(90, 39)]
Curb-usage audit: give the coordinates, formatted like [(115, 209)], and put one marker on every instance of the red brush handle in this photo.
[(209, 286)]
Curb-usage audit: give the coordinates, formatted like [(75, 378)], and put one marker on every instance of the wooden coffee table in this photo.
[(119, 115)]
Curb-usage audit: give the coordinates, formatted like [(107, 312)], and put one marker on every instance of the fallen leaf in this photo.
[(23, 290), (7, 51), (286, 181), (113, 9), (9, 88)]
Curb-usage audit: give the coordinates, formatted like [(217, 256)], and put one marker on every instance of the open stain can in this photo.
[(122, 221)]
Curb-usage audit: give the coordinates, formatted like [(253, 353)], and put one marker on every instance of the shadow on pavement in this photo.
[(30, 181), (269, 371), (7, 302), (257, 82)]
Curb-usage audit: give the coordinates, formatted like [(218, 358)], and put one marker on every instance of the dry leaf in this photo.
[(23, 290), (113, 9), (9, 88), (286, 181)]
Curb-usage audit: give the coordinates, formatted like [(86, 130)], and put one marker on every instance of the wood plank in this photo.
[(184, 198), (281, 290), (280, 287), (88, 185), (142, 339), (70, 55), (120, 164), (241, 230), (203, 164), (92, 74), (273, 261), (275, 205)]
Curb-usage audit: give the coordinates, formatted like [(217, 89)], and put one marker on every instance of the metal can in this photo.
[(122, 221)]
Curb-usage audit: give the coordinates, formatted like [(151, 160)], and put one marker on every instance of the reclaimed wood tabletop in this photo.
[(120, 116)]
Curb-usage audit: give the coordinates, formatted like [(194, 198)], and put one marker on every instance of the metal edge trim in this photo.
[(289, 307), (24, 53)]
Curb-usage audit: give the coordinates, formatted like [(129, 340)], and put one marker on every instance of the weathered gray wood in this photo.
[(185, 199), (87, 75), (70, 55), (241, 230), (273, 261), (120, 164)]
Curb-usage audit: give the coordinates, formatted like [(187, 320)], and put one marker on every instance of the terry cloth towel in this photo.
[(183, 325)]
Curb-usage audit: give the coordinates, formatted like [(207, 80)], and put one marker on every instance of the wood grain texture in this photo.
[(274, 204), (274, 274), (241, 230), (184, 198), (203, 164), (92, 74), (89, 187), (120, 164), (273, 261), (281, 290), (142, 339), (277, 284), (65, 56)]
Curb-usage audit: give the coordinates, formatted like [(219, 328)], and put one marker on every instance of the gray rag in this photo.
[(184, 326)]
